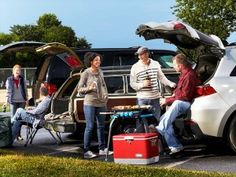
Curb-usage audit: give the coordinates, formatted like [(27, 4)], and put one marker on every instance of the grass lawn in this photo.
[(8, 107), (17, 165)]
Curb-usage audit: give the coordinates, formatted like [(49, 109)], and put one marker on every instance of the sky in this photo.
[(104, 23)]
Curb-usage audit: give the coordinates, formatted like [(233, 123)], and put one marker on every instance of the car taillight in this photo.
[(189, 122), (204, 90), (179, 26), (72, 61), (52, 88)]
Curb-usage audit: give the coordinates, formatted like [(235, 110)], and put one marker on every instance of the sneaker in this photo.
[(174, 150), (152, 129), (89, 155), (19, 138), (104, 152)]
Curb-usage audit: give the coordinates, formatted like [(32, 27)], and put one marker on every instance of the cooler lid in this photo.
[(135, 136)]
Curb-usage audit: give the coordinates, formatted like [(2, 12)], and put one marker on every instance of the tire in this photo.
[(231, 135)]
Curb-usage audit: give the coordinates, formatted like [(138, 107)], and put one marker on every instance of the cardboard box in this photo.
[(136, 148)]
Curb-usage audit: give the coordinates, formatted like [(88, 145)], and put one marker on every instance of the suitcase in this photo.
[(5, 130), (136, 148)]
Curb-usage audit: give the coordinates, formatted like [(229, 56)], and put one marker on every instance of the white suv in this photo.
[(213, 111)]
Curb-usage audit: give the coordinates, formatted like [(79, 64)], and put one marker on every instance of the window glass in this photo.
[(165, 60), (58, 68), (128, 59), (58, 71), (130, 89), (110, 60), (233, 73), (70, 87), (115, 84)]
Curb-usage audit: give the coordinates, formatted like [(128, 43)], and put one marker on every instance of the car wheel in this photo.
[(232, 135)]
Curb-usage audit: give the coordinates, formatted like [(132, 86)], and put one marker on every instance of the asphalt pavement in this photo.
[(213, 156)]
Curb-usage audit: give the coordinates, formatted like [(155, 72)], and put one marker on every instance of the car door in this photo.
[(63, 98), (181, 35), (59, 61), (50, 50), (63, 52)]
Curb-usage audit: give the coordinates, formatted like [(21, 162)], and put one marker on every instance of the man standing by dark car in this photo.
[(144, 78)]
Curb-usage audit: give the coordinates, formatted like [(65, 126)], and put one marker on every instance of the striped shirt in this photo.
[(140, 72)]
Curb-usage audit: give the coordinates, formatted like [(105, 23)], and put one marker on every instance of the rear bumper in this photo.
[(208, 113)]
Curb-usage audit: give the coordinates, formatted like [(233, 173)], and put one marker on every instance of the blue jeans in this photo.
[(91, 113), (15, 106), (20, 116), (155, 103), (165, 127), (156, 111)]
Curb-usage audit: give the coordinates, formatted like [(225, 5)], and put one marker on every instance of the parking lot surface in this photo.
[(211, 157)]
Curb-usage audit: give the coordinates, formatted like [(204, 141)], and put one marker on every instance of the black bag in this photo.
[(5, 130)]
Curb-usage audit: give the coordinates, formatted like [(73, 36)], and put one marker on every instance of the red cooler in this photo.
[(136, 148)]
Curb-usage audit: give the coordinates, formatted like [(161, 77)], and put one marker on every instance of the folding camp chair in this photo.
[(33, 129), (55, 127)]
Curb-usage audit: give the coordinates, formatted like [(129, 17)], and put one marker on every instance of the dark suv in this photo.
[(116, 67), (57, 61)]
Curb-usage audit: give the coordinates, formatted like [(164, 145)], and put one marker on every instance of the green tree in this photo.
[(82, 43), (48, 21), (54, 31), (27, 32), (62, 34), (7, 38), (209, 16), (48, 29)]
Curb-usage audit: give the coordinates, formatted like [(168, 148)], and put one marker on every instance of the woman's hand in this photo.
[(93, 86)]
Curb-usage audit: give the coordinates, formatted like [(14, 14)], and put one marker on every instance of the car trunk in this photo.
[(56, 65), (63, 99), (206, 67), (209, 48)]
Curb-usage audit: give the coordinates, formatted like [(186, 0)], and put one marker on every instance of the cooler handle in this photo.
[(129, 138)]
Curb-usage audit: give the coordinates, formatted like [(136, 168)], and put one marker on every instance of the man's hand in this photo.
[(147, 83), (173, 85), (162, 102)]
